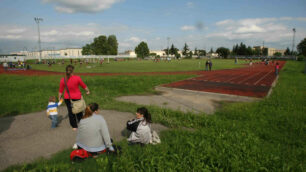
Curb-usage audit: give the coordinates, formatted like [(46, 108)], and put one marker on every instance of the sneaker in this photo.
[(75, 146)]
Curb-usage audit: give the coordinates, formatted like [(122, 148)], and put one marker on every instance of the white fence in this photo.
[(9, 58), (80, 57)]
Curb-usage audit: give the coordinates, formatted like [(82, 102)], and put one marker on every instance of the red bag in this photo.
[(81, 154)]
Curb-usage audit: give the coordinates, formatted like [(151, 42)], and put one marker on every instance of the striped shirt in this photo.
[(52, 107)]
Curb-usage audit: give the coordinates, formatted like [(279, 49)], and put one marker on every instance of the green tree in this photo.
[(287, 52), (301, 47), (173, 50), (185, 49), (249, 51), (278, 54), (265, 51), (257, 52), (167, 50), (142, 50), (112, 45), (87, 50), (177, 55), (211, 50), (202, 53), (223, 52), (196, 52), (190, 54), (100, 45)]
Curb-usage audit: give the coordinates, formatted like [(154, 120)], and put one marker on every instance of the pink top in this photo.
[(73, 86), (277, 66)]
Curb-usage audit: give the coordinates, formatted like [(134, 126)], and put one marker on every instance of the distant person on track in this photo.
[(73, 82), (93, 134), (206, 65), (210, 65), (5, 66), (140, 127), (276, 68), (52, 110), (251, 63)]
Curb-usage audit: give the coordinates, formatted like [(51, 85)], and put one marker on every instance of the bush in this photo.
[(301, 58)]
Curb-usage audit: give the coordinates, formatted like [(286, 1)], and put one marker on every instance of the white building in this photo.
[(68, 52)]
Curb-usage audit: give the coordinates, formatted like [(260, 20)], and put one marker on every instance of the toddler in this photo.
[(52, 110)]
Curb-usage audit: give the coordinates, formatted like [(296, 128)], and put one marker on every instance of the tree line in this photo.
[(103, 45)]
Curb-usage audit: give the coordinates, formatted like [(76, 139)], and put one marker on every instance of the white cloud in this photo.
[(190, 4), (187, 28), (16, 30), (134, 39), (50, 33), (250, 29), (224, 22), (276, 32), (10, 37), (84, 6)]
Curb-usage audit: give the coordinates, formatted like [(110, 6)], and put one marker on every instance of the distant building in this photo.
[(128, 53), (212, 55), (271, 51), (160, 53), (68, 52)]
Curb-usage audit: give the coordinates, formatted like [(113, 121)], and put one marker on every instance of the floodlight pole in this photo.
[(38, 20), (292, 50), (168, 46)]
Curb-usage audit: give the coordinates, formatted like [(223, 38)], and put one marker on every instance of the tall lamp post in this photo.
[(168, 38), (38, 20), (292, 50)]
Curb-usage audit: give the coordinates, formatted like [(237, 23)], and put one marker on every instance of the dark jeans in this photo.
[(72, 117)]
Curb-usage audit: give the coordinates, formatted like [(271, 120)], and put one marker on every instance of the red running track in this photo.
[(254, 81)]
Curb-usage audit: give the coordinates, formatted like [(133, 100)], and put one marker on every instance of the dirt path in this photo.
[(25, 138)]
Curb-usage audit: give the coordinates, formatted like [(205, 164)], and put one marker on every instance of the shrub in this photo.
[(301, 58)]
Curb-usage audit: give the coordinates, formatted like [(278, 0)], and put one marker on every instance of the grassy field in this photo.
[(143, 66), (268, 135)]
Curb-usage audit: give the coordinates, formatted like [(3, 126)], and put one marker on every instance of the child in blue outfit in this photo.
[(52, 110)]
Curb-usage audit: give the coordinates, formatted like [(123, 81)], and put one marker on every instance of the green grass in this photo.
[(268, 135), (31, 94), (143, 66)]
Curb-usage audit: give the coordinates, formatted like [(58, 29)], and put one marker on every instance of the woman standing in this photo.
[(72, 82)]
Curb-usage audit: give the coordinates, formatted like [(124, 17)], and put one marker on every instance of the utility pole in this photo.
[(263, 47), (38, 20), (168, 38), (292, 50)]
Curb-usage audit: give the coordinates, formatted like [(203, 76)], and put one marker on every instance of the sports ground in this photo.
[(251, 81), (237, 137)]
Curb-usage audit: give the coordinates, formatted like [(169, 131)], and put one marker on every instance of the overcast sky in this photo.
[(203, 24)]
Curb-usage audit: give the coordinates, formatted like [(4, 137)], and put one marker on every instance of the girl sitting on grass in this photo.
[(140, 127)]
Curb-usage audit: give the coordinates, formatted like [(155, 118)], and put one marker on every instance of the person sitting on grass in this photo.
[(140, 127), (52, 110), (92, 134)]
